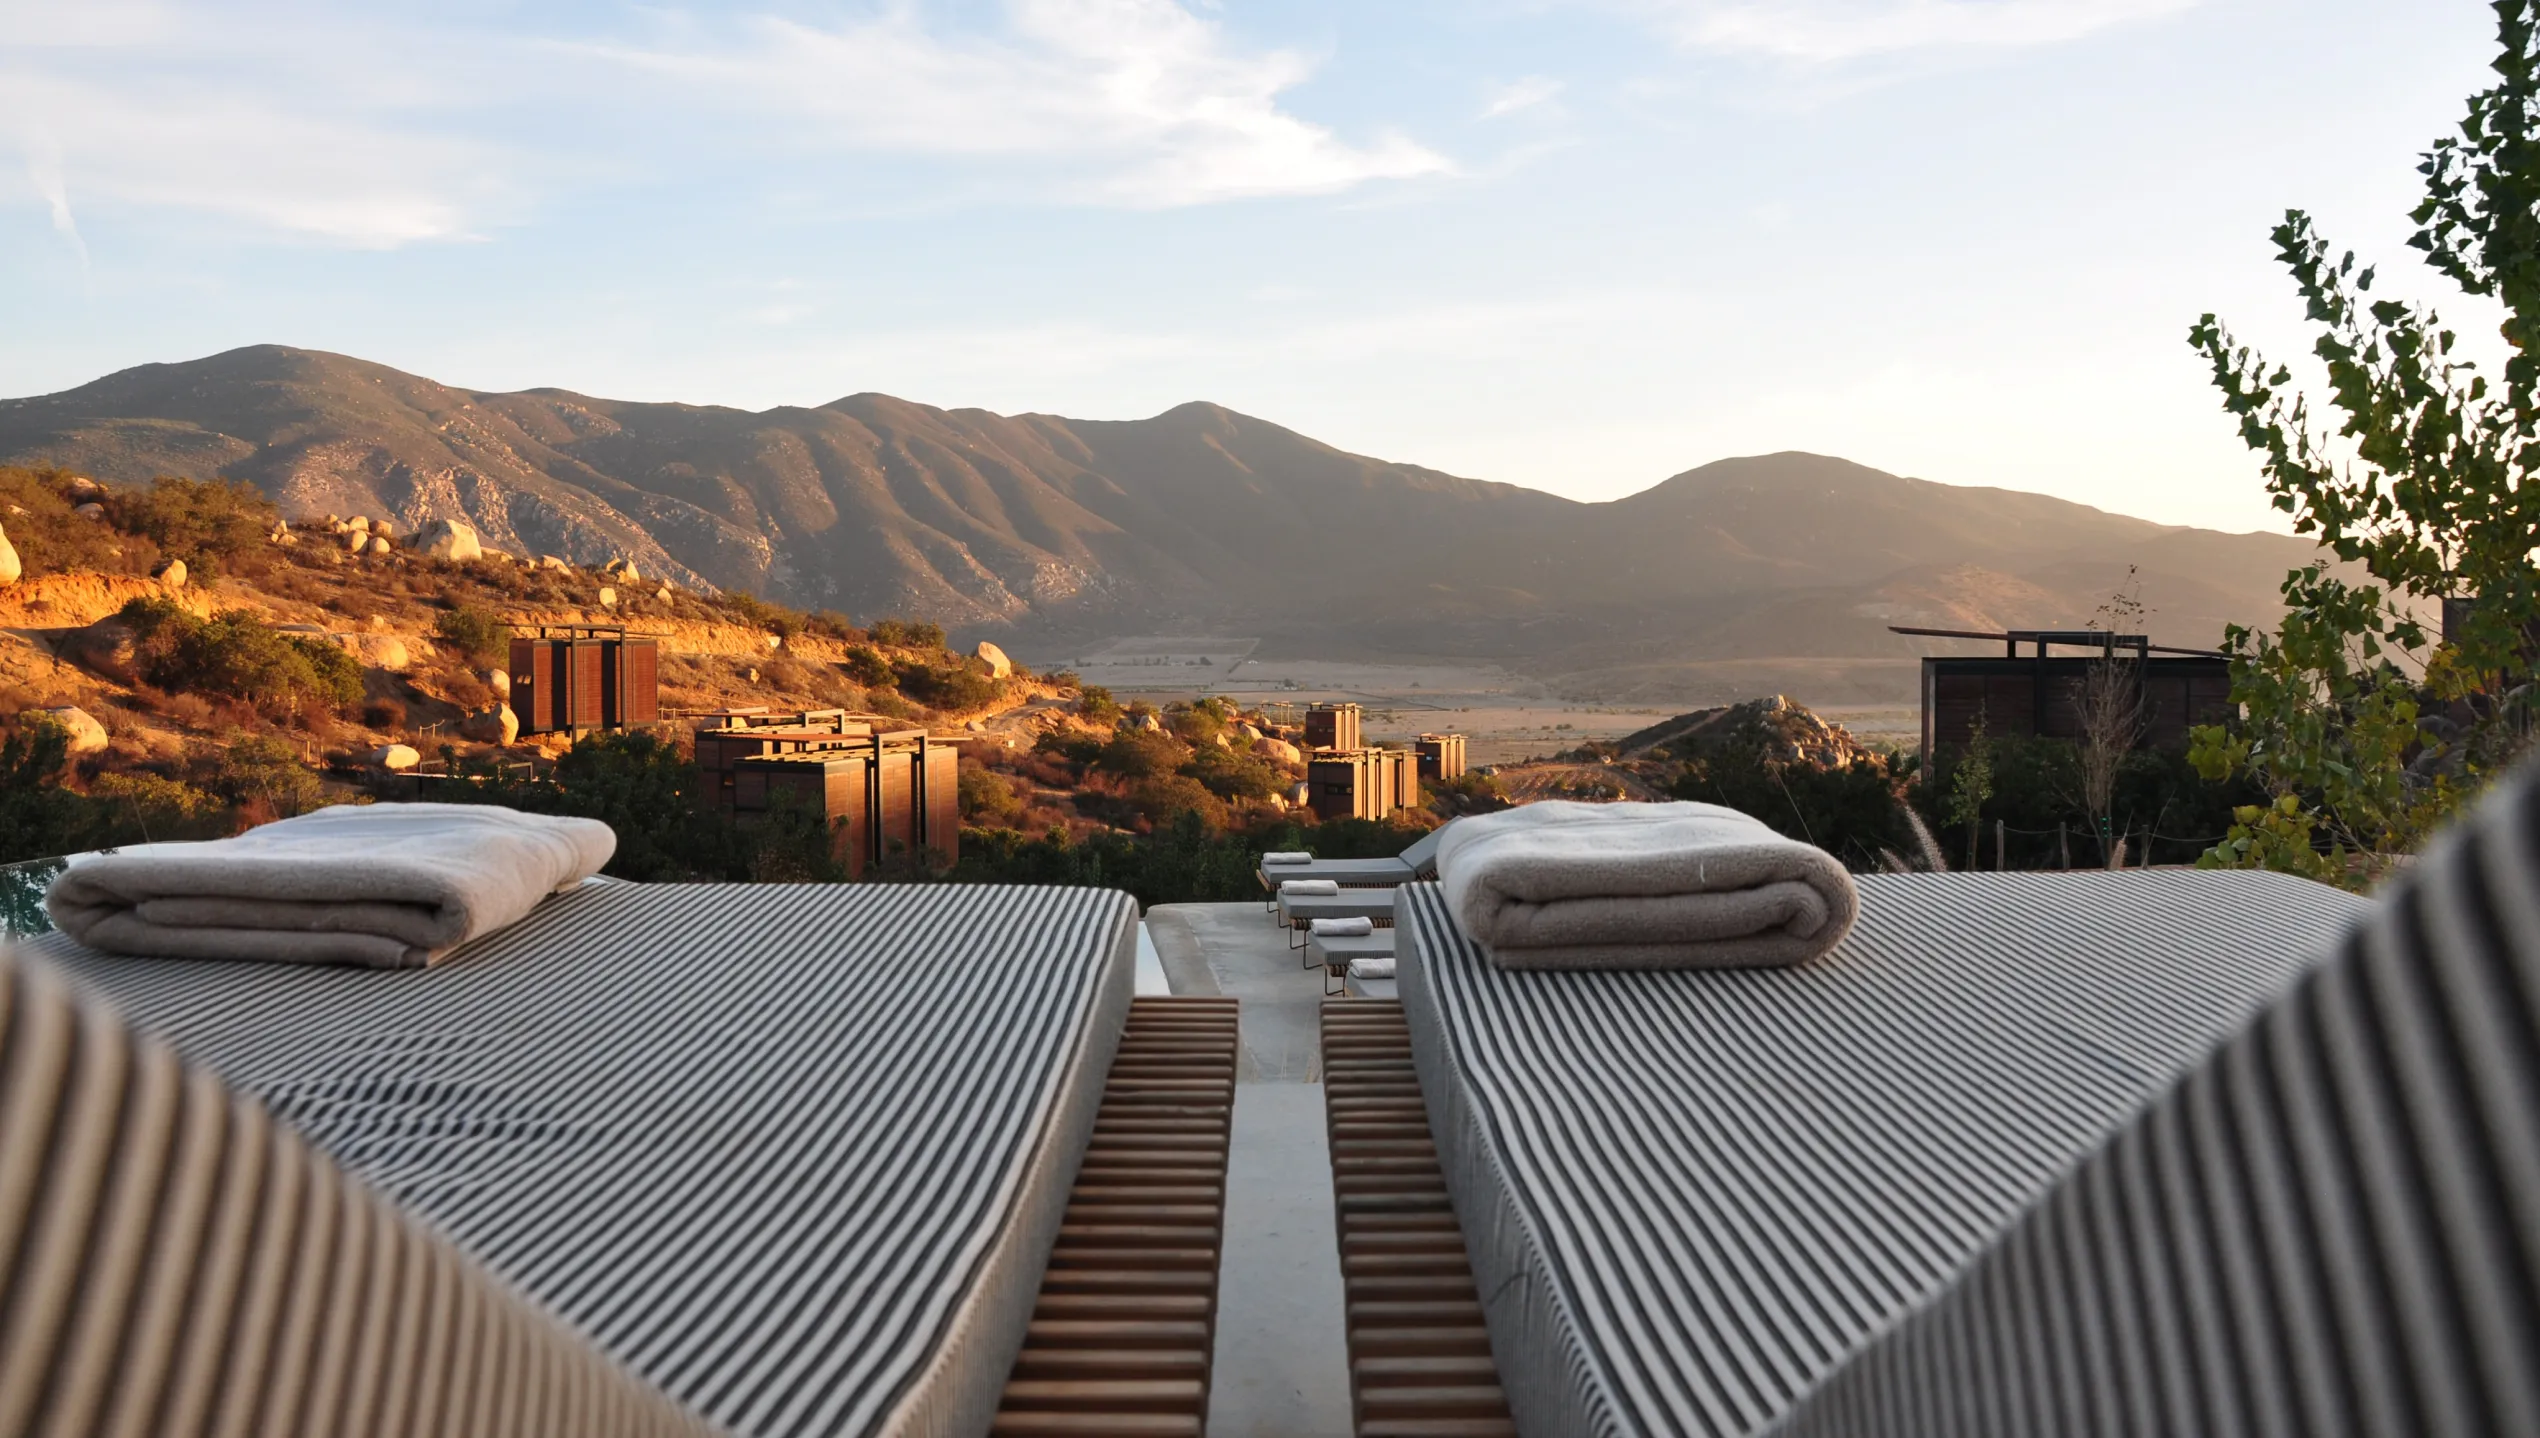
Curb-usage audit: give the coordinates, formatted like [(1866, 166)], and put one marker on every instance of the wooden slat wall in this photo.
[(1419, 1358), (1121, 1338)]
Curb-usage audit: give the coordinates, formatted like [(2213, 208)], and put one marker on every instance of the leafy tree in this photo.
[(1971, 785), (1096, 704), (2427, 483), (38, 817)]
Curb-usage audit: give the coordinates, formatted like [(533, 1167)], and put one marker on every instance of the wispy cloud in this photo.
[(286, 120), (44, 171), (1519, 95), (1835, 31), (1137, 102)]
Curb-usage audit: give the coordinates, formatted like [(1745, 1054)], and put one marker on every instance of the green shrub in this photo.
[(908, 634), (262, 772), (237, 656), (866, 666), (146, 808), (955, 687), (1164, 797), (216, 526), (987, 798), (476, 634), (1140, 754), (1097, 706), (1235, 776)]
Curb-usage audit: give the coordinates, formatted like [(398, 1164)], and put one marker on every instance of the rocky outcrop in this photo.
[(1785, 733), (10, 569), (999, 667), (171, 574), (395, 757)]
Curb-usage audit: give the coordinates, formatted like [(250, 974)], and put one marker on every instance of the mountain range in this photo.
[(1048, 532)]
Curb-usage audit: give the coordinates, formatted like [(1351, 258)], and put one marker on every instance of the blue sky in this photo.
[(1576, 244)]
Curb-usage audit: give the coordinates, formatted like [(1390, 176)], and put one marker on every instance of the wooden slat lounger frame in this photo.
[(1419, 1358), (1121, 1337)]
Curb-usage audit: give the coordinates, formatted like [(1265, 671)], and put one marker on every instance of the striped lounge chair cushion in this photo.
[(794, 1155), (1690, 1195), (2330, 1227)]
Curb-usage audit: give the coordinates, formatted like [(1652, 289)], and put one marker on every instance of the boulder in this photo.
[(662, 594), (87, 736), (383, 529), (498, 725), (499, 682), (395, 757), (1278, 749), (83, 489), (452, 539), (10, 569), (171, 574), (626, 574), (92, 511), (498, 556), (608, 597), (549, 561), (1300, 795), (106, 648), (999, 666), (776, 641), (358, 521), (378, 651), (379, 544), (356, 540)]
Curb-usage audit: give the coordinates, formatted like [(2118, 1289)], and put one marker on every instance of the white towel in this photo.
[(1287, 856), (1641, 886), (1309, 888), (1358, 927), (1371, 968), (384, 886)]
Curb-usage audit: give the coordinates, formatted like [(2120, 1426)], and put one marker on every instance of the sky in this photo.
[(1581, 245)]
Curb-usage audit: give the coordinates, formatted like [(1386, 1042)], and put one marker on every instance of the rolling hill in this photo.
[(1044, 531)]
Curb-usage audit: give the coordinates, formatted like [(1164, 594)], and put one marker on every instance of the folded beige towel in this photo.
[(1358, 927), (1287, 856), (383, 886), (1371, 968), (1641, 886), (1310, 888)]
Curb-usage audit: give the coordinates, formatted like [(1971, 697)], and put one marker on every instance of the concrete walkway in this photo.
[(1282, 1362)]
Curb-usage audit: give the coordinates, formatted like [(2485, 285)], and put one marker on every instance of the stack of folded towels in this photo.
[(382, 886), (1287, 856), (1641, 886), (1309, 888)]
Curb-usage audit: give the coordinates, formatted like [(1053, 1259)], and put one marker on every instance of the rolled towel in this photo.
[(1641, 886), (382, 886), (1351, 928), (1309, 888), (1371, 968), (1287, 856)]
